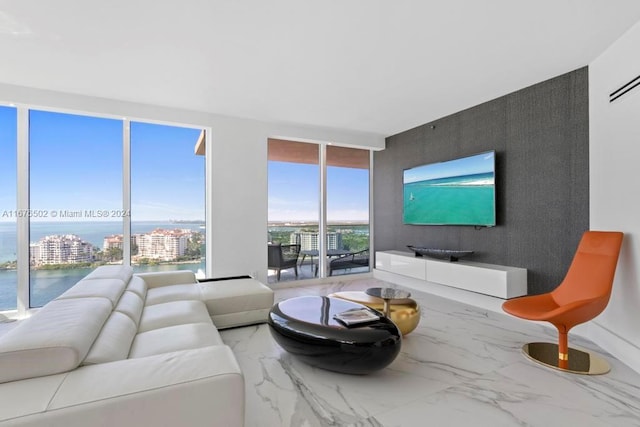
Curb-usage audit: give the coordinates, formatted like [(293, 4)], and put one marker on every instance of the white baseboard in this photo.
[(617, 346)]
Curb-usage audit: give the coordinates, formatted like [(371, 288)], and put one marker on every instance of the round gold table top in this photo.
[(404, 312)]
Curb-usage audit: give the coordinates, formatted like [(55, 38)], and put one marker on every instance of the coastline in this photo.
[(46, 285), (56, 267)]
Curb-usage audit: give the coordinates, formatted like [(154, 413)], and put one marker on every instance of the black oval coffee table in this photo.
[(305, 327)]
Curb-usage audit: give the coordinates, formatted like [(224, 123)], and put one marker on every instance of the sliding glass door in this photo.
[(293, 218), (303, 177), (347, 233)]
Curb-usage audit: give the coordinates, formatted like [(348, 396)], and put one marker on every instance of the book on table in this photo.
[(356, 316)]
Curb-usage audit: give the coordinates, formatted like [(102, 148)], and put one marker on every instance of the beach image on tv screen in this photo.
[(456, 192)]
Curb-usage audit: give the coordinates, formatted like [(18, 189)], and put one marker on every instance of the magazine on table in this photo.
[(356, 316)]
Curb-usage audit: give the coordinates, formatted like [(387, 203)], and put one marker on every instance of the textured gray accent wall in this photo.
[(541, 138)]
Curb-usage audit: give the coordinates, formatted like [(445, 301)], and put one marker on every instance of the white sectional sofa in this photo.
[(119, 349)]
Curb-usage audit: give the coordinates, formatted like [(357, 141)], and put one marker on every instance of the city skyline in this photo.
[(159, 244), (93, 232)]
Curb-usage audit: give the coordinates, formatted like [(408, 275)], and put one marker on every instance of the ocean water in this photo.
[(48, 284), (462, 200)]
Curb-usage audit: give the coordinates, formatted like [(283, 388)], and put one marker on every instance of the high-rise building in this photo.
[(165, 245), (113, 241), (60, 249), (308, 240)]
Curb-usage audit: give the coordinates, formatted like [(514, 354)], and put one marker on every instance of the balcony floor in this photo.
[(306, 272)]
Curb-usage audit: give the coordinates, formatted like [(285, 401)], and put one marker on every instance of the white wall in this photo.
[(237, 160), (614, 151)]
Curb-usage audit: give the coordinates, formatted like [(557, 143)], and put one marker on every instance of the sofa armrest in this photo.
[(166, 278), (187, 388)]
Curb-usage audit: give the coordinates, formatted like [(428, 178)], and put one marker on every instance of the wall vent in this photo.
[(624, 89)]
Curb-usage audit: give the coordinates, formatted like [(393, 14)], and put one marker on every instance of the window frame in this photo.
[(23, 303), (322, 214)]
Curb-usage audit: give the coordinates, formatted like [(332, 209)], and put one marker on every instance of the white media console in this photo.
[(488, 279)]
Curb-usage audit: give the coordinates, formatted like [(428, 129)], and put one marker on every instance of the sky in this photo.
[(76, 165), (7, 159), (479, 163), (294, 193)]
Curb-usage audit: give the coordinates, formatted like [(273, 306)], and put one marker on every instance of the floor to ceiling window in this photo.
[(79, 191), (295, 201), (167, 199), (75, 180), (8, 212)]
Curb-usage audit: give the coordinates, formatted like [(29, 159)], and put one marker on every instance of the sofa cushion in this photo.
[(200, 387), (173, 313), (131, 305), (56, 339), (138, 286), (235, 296), (110, 289), (27, 397), (121, 272), (169, 293), (114, 341), (174, 338), (165, 278)]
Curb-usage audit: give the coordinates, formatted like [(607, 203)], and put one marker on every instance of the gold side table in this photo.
[(404, 312)]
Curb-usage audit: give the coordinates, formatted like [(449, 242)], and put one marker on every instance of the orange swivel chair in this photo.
[(581, 296)]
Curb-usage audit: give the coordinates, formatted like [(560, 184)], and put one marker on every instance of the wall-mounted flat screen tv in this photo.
[(455, 192)]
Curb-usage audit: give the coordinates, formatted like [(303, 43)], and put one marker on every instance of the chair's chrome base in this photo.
[(580, 362)]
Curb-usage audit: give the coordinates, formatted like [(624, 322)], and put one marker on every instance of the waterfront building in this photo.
[(34, 254), (164, 245), (113, 241), (60, 249)]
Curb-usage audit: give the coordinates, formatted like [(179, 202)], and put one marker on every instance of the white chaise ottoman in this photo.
[(236, 301)]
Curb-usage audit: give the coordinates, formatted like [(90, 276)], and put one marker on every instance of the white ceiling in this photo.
[(382, 66)]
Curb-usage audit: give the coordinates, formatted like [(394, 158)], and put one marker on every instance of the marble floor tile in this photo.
[(283, 391), (461, 366), (524, 394)]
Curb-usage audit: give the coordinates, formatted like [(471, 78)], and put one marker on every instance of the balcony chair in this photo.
[(282, 257), (350, 260), (582, 295)]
